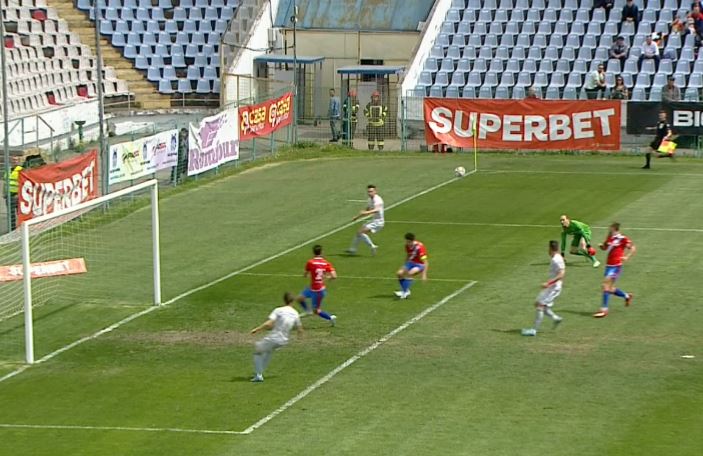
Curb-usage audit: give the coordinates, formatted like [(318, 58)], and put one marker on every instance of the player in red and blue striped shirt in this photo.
[(415, 263), (620, 248), (318, 269)]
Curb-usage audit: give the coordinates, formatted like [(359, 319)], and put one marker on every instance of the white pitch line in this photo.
[(116, 428), (300, 396), (357, 201), (596, 173), (273, 274), (525, 225), (215, 282)]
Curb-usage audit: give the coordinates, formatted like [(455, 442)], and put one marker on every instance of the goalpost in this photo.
[(88, 263)]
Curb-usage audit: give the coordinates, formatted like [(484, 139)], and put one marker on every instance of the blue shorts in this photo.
[(316, 296), (409, 265), (613, 272)]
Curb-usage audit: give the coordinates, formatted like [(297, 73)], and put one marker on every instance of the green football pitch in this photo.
[(444, 372)]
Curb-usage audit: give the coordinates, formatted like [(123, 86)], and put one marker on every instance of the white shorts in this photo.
[(268, 344), (547, 296), (374, 226)]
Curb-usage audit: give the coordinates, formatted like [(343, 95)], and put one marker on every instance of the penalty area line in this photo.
[(116, 428), (525, 225), (221, 279), (275, 274), (303, 394)]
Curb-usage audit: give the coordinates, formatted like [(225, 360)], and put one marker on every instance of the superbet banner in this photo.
[(54, 187), (264, 118), (523, 124)]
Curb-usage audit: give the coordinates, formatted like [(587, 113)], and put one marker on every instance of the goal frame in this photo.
[(152, 184)]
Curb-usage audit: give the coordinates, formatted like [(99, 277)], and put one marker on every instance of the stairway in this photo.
[(146, 95)]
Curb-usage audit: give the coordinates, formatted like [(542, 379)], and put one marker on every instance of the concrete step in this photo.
[(146, 93)]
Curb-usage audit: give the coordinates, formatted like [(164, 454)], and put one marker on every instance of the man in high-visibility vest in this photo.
[(13, 177), (350, 109), (376, 114)]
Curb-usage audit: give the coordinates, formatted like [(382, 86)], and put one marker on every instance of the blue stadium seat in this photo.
[(502, 92), (468, 92), (464, 65), (518, 93), (106, 28), (203, 86), (442, 79), (436, 91), (475, 80), (152, 26), (153, 74), (122, 26), (118, 40), (458, 79), (431, 65), (141, 63), (130, 51), (216, 86), (692, 94), (178, 60), (184, 86), (695, 80), (149, 39), (452, 92)]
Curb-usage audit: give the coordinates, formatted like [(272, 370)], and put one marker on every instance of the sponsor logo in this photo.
[(520, 128), (684, 118)]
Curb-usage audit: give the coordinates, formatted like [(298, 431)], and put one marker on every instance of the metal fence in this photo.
[(355, 127)]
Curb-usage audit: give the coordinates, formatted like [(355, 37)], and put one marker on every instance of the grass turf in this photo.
[(460, 381)]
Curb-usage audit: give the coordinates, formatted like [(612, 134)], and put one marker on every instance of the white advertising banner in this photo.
[(143, 157), (212, 142)]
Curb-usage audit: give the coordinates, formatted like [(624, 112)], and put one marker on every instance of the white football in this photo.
[(460, 171)]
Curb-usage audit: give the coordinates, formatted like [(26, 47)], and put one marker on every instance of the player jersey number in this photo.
[(319, 275)]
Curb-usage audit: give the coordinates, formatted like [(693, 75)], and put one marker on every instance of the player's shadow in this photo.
[(343, 255), (580, 313), (508, 331), (247, 378)]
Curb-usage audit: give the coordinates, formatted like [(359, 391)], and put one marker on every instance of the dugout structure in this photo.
[(281, 67)]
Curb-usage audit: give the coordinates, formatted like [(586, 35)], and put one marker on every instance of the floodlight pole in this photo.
[(294, 19), (104, 159), (5, 121)]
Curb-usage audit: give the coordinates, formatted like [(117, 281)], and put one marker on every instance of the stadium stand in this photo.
[(175, 43), (498, 48), (47, 65)]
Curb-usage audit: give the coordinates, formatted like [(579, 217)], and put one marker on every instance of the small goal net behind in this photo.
[(90, 265)]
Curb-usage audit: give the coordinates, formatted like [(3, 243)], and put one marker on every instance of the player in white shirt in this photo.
[(374, 208), (550, 290), (280, 323)]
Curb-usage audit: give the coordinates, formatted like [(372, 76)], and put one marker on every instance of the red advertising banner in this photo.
[(55, 187), (264, 118), (44, 269), (523, 124)]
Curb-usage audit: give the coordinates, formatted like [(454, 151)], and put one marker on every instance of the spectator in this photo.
[(671, 92), (697, 17), (620, 90), (595, 83), (650, 51), (619, 50), (334, 113), (605, 4), (697, 37), (631, 13), (531, 94)]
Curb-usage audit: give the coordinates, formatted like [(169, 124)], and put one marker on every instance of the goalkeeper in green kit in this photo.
[(581, 243)]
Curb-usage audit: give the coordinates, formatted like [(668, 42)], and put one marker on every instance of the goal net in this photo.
[(91, 265)]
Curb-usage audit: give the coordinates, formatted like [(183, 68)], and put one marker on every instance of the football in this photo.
[(460, 171), (591, 251)]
